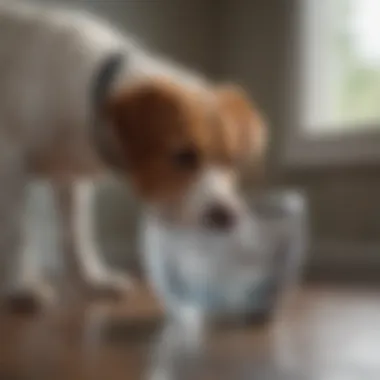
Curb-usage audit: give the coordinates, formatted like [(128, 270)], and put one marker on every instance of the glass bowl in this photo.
[(235, 276)]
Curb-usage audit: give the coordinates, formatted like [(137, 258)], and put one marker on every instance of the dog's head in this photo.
[(184, 148)]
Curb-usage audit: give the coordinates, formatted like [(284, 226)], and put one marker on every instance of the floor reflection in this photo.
[(326, 335), (232, 353)]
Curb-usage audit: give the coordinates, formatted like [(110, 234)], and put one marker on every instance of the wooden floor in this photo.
[(324, 334)]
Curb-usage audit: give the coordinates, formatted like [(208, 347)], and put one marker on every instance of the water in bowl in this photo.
[(222, 275), (212, 274)]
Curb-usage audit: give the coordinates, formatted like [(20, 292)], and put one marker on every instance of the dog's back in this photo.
[(47, 61)]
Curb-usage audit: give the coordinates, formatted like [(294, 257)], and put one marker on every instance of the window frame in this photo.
[(353, 147)]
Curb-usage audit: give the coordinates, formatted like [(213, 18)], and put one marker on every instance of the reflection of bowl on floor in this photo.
[(247, 286)]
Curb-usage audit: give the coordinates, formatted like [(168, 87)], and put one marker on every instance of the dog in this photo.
[(79, 99)]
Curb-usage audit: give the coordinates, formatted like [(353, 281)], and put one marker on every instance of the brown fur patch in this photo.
[(155, 120), (246, 129)]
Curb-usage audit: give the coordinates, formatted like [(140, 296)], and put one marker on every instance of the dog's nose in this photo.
[(219, 217)]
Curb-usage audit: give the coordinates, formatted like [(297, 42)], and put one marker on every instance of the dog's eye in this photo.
[(187, 159)]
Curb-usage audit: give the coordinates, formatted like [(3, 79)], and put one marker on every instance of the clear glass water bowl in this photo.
[(221, 277)]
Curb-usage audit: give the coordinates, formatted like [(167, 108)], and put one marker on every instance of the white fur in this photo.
[(214, 185), (48, 58)]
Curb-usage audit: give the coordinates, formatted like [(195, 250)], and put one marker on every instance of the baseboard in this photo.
[(326, 259), (345, 253), (345, 259)]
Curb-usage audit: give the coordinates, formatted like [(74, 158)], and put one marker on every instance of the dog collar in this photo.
[(105, 78), (102, 134)]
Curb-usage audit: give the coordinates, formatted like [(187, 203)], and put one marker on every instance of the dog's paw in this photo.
[(28, 297), (109, 285)]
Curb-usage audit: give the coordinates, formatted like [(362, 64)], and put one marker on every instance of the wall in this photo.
[(345, 210)]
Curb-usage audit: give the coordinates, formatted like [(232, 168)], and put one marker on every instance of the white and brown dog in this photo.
[(78, 99)]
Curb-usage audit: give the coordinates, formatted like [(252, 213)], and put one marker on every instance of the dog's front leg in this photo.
[(82, 254), (22, 238)]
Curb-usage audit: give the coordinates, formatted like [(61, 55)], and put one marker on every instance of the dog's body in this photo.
[(49, 62)]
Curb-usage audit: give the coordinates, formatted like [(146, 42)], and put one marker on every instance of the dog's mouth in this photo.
[(213, 220)]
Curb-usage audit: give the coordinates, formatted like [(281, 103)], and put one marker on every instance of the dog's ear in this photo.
[(140, 115), (239, 111), (149, 119), (135, 110)]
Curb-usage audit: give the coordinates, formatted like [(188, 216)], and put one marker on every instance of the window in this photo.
[(339, 78)]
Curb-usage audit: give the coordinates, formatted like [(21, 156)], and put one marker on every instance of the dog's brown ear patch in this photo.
[(140, 116), (138, 109), (151, 122), (244, 118)]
